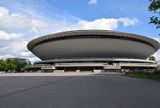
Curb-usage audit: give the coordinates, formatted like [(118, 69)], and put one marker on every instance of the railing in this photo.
[(138, 64)]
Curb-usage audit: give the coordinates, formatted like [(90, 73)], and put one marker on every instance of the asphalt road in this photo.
[(89, 91)]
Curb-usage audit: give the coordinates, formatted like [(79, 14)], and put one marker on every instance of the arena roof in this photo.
[(93, 44), (92, 34)]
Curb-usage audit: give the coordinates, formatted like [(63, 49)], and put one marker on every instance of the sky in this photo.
[(24, 20)]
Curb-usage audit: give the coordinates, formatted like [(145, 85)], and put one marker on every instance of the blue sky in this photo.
[(28, 19)]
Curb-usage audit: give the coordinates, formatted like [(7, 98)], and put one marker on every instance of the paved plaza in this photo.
[(84, 90)]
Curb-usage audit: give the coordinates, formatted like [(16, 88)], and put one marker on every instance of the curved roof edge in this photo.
[(96, 59), (148, 40)]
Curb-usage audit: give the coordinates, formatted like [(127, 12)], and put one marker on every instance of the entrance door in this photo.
[(70, 69), (86, 69)]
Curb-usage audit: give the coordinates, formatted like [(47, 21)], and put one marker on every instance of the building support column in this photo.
[(78, 70)]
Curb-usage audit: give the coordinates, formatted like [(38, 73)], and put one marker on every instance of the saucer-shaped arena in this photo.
[(92, 46)]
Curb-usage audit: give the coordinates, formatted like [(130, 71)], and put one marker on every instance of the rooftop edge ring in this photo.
[(93, 44), (106, 33)]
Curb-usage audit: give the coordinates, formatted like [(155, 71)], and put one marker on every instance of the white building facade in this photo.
[(92, 50)]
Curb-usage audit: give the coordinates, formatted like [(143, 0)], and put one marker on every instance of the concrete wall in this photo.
[(93, 47), (92, 67)]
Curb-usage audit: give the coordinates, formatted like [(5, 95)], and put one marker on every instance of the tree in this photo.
[(155, 7), (1, 65), (152, 58), (11, 64)]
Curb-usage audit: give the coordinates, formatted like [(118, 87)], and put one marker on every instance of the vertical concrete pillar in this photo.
[(97, 71), (78, 70)]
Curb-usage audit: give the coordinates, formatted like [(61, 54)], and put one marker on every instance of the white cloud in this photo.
[(13, 45), (6, 36), (15, 21), (128, 21), (92, 2), (102, 23)]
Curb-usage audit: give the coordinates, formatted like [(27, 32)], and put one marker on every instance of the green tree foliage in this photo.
[(11, 64), (152, 58), (155, 7)]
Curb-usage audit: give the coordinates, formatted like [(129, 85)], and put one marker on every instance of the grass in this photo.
[(144, 74)]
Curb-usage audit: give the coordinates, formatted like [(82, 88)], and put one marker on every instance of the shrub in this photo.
[(144, 74)]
